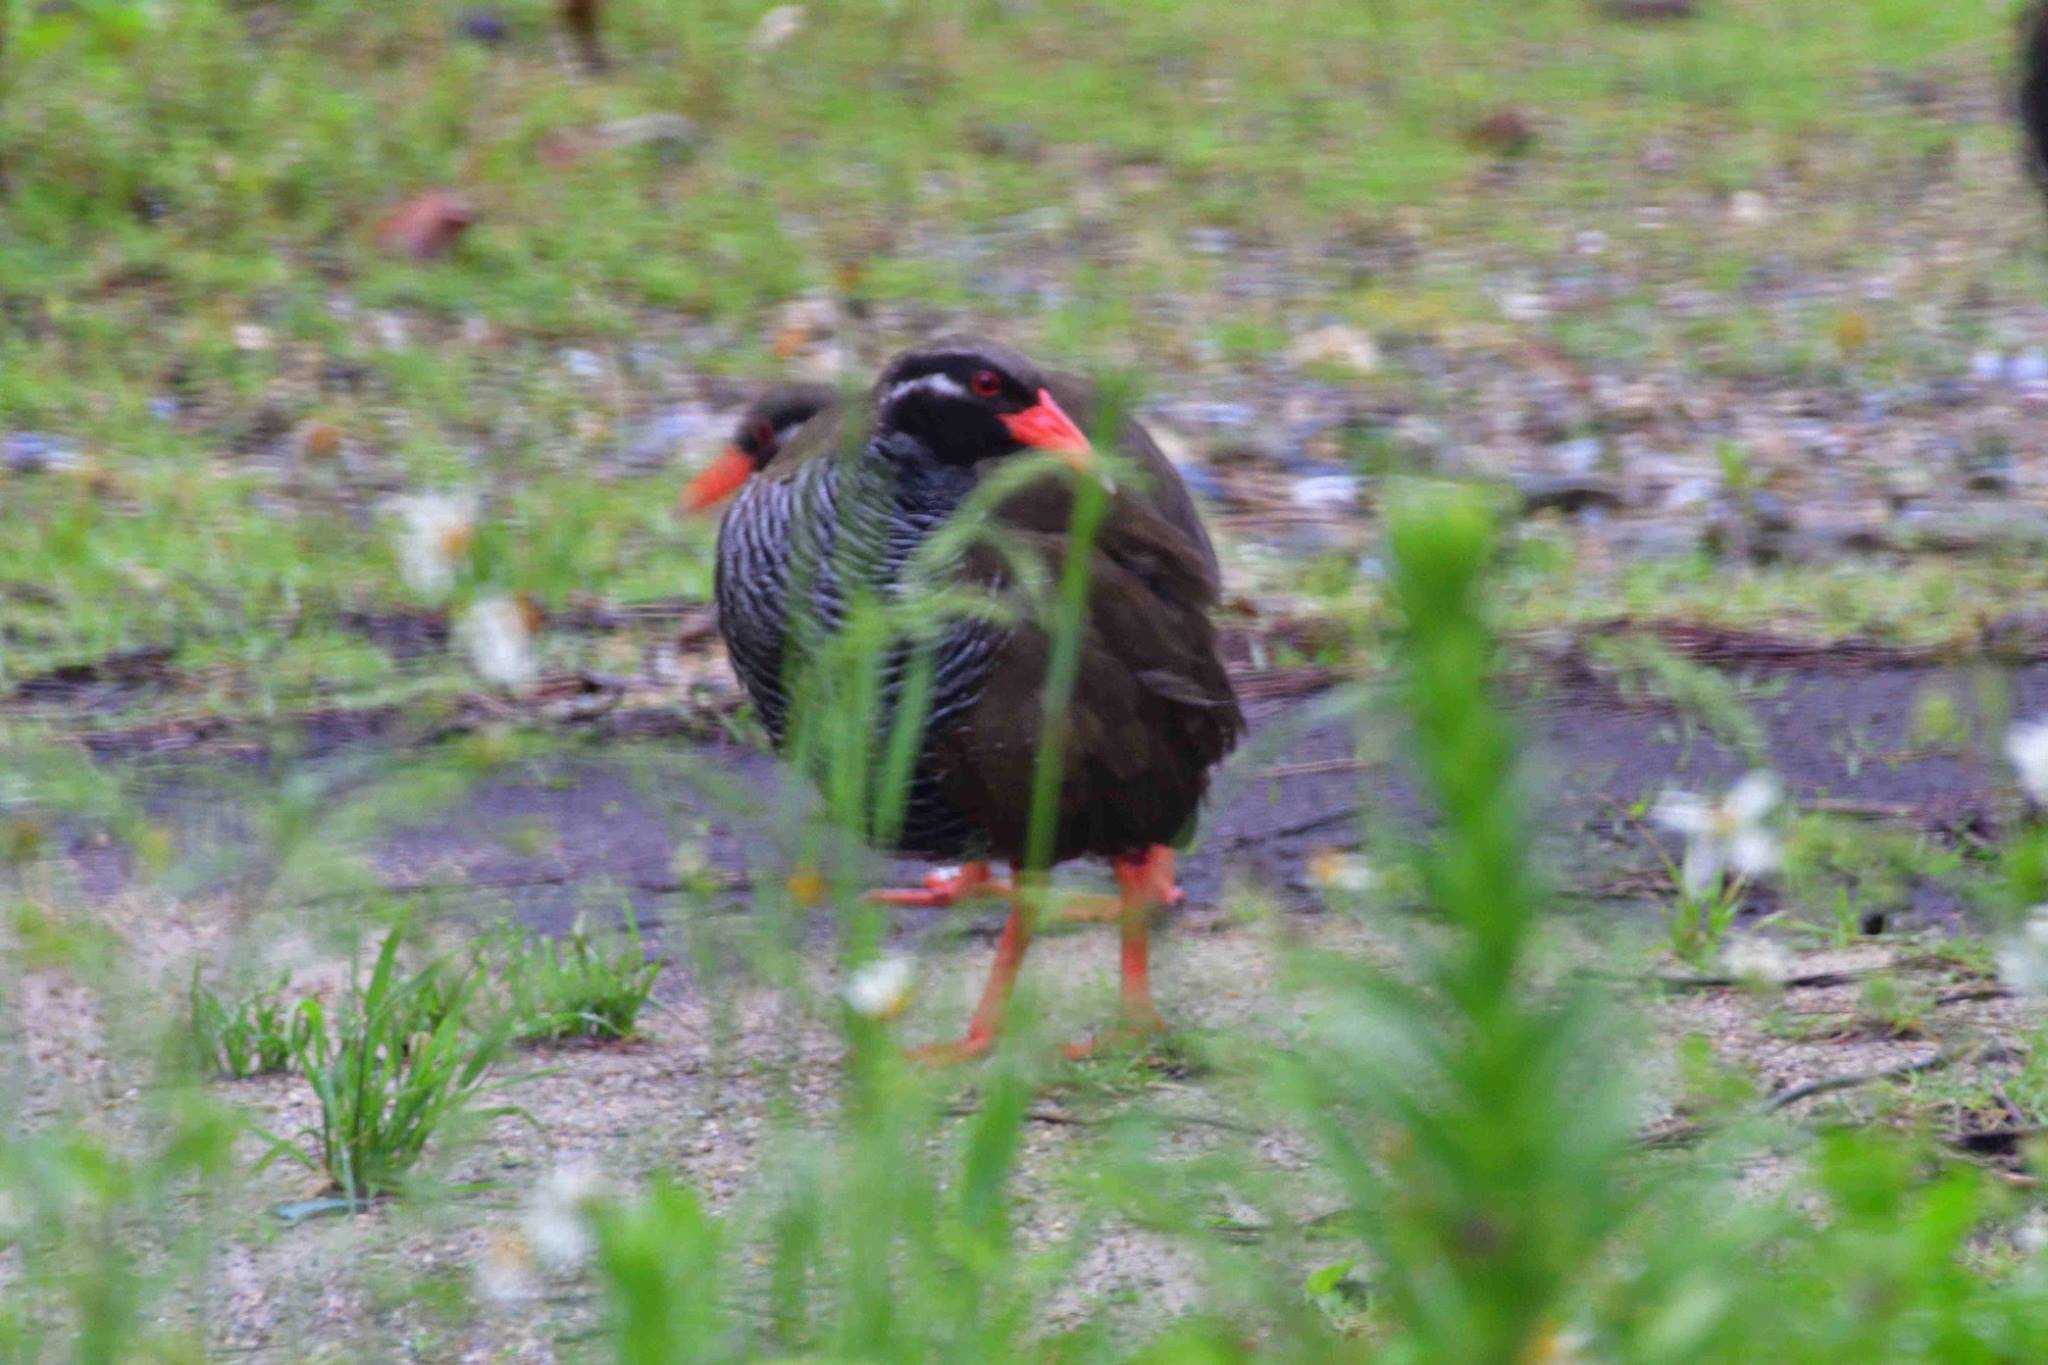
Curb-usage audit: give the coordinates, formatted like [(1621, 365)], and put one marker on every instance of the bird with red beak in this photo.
[(771, 424), (1152, 710)]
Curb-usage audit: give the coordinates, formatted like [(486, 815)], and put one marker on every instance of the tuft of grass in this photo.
[(1695, 927), (1478, 1128), (396, 1064), (583, 986), (248, 1035)]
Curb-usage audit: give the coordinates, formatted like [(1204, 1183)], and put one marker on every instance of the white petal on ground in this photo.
[(2023, 959), (882, 989), (500, 647), (504, 1273), (1337, 870), (435, 530), (2027, 746), (558, 1213)]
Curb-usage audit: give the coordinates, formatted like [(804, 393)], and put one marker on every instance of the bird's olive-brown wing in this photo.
[(1152, 711)]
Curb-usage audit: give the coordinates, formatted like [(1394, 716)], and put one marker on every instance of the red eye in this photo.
[(986, 383), (763, 436)]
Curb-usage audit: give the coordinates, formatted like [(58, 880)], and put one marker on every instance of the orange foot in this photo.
[(972, 1048), (947, 886)]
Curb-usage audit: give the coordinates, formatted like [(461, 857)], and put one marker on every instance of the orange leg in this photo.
[(995, 996), (1146, 881), (947, 886)]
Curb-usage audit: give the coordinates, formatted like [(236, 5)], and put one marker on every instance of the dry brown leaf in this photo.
[(426, 225)]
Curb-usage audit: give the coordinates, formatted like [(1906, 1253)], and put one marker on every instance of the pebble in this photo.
[(587, 366), (32, 452), (671, 136), (485, 26), (777, 27), (1337, 346), (1649, 11), (654, 443), (1967, 531), (1576, 458), (392, 330), (1749, 208), (1215, 414), (1324, 492), (1569, 494), (1988, 466), (1770, 512), (2028, 369), (1203, 483), (1690, 493)]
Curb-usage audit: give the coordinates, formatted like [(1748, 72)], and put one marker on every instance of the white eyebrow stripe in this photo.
[(943, 384)]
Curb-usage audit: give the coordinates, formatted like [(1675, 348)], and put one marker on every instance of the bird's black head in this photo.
[(763, 430), (770, 420), (965, 400)]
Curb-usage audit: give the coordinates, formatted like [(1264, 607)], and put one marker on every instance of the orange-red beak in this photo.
[(718, 480), (1045, 426)]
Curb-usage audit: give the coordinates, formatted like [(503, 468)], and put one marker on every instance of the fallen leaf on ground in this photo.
[(426, 225)]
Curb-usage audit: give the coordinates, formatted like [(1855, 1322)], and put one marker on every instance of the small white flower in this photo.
[(777, 27), (882, 989), (558, 1213), (2023, 960), (435, 531), (1756, 959), (2027, 747), (504, 1273), (2031, 1236), (1336, 870), (1728, 835), (494, 634)]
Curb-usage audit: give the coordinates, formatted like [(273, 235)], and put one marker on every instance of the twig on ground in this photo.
[(1828, 1084), (1683, 982), (1974, 993)]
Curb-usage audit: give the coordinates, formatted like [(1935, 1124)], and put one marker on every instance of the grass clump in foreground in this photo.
[(398, 1063), (582, 986), (240, 1036)]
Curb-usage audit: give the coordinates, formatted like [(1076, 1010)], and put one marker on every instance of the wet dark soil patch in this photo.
[(596, 825)]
